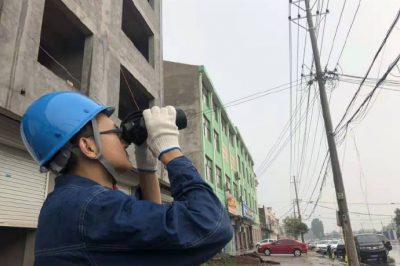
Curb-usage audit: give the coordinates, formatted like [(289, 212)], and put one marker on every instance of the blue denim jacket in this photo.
[(84, 223)]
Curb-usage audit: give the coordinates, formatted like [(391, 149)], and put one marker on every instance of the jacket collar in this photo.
[(80, 181)]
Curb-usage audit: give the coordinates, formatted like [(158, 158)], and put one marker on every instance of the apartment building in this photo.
[(216, 148)]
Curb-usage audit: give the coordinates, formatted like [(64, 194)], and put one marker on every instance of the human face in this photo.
[(113, 147)]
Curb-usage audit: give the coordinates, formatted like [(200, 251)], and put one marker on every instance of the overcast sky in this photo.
[(244, 46)]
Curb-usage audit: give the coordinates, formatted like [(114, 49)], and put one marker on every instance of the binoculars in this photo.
[(134, 128)]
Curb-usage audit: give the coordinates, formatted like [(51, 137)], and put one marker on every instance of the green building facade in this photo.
[(222, 158)]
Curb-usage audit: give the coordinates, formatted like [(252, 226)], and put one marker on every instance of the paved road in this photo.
[(312, 258), (394, 257)]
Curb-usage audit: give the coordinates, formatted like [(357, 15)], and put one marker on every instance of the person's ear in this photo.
[(88, 147)]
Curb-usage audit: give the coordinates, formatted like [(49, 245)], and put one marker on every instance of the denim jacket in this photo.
[(84, 223)]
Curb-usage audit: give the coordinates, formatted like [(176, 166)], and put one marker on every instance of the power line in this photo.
[(323, 29), (362, 176), (368, 98), (316, 184), (374, 80), (280, 137), (394, 203), (305, 136), (369, 69), (251, 97), (358, 213), (348, 33), (368, 85), (286, 213), (291, 92), (268, 161), (313, 145), (319, 149), (336, 31)]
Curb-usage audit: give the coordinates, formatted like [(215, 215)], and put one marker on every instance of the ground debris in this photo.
[(247, 259)]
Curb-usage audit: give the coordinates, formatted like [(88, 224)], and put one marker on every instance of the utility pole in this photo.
[(298, 206), (337, 175), (294, 209)]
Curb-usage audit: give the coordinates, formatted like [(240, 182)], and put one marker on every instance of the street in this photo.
[(394, 257), (312, 258)]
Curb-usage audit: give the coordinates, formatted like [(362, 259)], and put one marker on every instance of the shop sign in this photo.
[(247, 212), (232, 203)]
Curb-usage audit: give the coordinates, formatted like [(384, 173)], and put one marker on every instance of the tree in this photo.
[(317, 228), (294, 227)]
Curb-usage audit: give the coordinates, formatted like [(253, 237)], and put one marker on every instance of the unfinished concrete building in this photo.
[(109, 50)]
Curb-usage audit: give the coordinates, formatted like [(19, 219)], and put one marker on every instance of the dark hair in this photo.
[(85, 132)]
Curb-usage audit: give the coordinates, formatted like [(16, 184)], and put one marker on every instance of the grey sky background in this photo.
[(244, 46)]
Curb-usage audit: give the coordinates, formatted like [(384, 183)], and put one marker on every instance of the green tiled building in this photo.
[(216, 148)]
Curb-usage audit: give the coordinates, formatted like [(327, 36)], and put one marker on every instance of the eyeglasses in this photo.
[(116, 130)]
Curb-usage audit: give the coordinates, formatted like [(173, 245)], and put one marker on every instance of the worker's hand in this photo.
[(161, 129), (145, 160)]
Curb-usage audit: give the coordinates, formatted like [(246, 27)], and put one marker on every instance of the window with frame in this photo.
[(216, 142), (63, 42), (215, 111), (233, 140), (218, 175), (228, 183), (137, 30), (133, 96), (223, 125), (206, 128), (209, 175), (236, 190)]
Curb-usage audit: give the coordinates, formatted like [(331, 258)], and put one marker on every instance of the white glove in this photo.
[(161, 129), (145, 160)]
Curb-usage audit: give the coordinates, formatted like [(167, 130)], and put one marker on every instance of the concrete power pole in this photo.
[(298, 206), (294, 208), (344, 218)]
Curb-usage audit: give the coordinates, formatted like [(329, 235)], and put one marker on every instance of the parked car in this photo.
[(333, 243), (322, 247), (385, 242), (264, 241), (312, 245), (283, 246), (340, 251), (369, 246)]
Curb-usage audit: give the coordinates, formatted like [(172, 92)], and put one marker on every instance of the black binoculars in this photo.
[(134, 128)]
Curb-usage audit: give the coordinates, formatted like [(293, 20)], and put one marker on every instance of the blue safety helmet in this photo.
[(53, 119)]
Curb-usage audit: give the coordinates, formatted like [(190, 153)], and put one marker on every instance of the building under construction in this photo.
[(109, 50)]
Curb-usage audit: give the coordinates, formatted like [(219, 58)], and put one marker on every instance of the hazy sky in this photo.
[(245, 48)]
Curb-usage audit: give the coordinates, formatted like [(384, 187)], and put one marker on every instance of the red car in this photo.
[(283, 246)]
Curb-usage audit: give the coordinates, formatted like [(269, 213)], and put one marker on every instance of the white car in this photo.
[(322, 246), (265, 241), (333, 244)]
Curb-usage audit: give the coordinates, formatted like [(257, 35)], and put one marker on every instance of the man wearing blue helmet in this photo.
[(84, 221)]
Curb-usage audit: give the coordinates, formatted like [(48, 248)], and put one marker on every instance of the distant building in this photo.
[(269, 223), (216, 148)]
